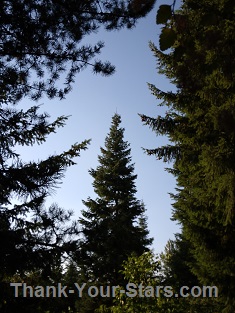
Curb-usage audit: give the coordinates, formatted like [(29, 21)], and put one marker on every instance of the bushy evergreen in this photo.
[(113, 225), (200, 123), (33, 237), (26, 225)]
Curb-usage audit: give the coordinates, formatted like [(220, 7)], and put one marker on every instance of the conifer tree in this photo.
[(42, 38), (113, 224), (33, 237), (26, 224), (176, 263), (200, 123)]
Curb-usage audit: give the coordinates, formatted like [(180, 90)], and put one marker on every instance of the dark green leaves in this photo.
[(167, 38), (168, 35), (163, 14)]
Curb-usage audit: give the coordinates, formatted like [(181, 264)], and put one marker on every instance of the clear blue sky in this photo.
[(92, 103)]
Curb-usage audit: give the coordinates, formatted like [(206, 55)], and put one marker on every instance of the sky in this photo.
[(91, 105)]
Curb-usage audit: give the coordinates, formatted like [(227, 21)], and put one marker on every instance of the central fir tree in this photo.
[(113, 225)]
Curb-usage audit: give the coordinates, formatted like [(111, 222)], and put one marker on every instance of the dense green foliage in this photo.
[(42, 39), (142, 271), (175, 264), (151, 290), (158, 279), (176, 270), (33, 237), (200, 124), (113, 225), (26, 225)]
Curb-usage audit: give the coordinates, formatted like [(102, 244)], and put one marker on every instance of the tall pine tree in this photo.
[(200, 123), (113, 225)]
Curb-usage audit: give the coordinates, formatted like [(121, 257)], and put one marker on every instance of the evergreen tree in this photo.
[(78, 303), (43, 38), (32, 236), (200, 124), (176, 270), (175, 264), (40, 39), (110, 225)]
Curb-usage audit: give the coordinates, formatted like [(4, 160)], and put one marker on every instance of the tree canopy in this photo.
[(40, 42), (42, 39), (200, 124)]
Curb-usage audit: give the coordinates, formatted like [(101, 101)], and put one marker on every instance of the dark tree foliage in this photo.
[(176, 260), (113, 225), (200, 123), (22, 304), (42, 39), (32, 236), (84, 302), (176, 263)]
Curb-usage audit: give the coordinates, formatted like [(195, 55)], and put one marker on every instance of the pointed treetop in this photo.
[(113, 224)]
